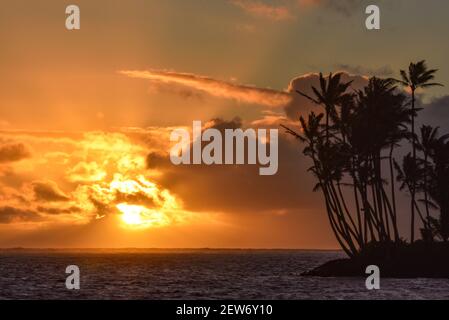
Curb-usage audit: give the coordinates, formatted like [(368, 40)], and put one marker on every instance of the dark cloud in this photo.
[(102, 209), (137, 198), (156, 160), (436, 113), (240, 188), (10, 214), (48, 191), (58, 211), (222, 125), (438, 107), (10, 152)]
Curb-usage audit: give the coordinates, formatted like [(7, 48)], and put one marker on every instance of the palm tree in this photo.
[(408, 174), (429, 140), (349, 145), (331, 93), (379, 122), (439, 183), (418, 76), (364, 124)]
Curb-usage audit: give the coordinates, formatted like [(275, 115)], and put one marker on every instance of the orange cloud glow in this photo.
[(88, 177), (219, 88), (275, 13)]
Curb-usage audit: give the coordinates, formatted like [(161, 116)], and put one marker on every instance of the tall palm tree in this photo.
[(439, 183), (331, 93), (418, 76), (428, 140), (408, 174)]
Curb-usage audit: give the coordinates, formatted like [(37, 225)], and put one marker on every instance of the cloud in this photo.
[(273, 120), (11, 152), (136, 198), (180, 90), (48, 191), (221, 124), (239, 189), (78, 178), (58, 211), (218, 88), (384, 71), (439, 107), (230, 194), (86, 172), (263, 10), (15, 215), (435, 113), (293, 103)]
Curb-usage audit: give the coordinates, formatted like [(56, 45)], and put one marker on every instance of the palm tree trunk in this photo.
[(393, 195), (426, 196), (357, 231), (412, 227), (380, 199), (327, 124), (333, 223), (357, 204)]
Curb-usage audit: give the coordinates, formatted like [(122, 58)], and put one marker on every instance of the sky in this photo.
[(86, 115)]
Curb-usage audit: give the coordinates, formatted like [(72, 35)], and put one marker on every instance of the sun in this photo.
[(140, 217), (131, 214)]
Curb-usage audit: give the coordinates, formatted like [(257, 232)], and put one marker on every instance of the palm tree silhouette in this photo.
[(428, 141), (418, 76), (351, 152), (408, 174), (331, 93), (438, 184), (380, 122)]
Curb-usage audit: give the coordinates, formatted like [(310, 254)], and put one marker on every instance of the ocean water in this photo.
[(193, 274)]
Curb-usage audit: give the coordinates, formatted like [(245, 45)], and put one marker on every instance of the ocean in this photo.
[(192, 274)]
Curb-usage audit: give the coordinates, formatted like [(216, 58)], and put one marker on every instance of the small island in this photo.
[(365, 148), (404, 260)]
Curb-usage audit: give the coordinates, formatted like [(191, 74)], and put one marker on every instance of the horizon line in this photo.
[(167, 248)]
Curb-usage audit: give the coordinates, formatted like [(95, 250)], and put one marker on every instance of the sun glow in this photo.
[(140, 217), (110, 178), (156, 210)]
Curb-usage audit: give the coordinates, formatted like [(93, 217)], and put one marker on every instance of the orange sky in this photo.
[(85, 116)]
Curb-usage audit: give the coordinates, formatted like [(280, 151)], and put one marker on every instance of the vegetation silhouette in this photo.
[(417, 77), (353, 155)]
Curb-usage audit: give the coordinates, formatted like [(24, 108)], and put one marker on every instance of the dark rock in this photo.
[(337, 268), (420, 260)]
